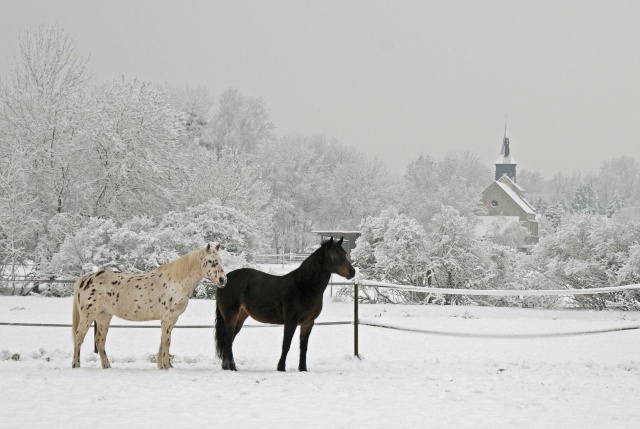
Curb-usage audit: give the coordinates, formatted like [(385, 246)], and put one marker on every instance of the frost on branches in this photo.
[(591, 251), (395, 248), (142, 244)]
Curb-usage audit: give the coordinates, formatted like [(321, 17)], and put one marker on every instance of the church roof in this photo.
[(521, 202), (513, 185)]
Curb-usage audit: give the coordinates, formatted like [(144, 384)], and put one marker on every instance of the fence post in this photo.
[(355, 319)]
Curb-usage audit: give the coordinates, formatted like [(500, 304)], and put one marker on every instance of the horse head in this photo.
[(213, 266), (337, 260)]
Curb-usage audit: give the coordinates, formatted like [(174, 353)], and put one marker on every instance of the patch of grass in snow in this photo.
[(7, 355), (154, 358), (465, 315), (41, 354)]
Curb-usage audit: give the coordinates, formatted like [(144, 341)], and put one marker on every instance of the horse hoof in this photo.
[(229, 366)]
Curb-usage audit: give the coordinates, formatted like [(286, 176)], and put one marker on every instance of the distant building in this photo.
[(349, 238), (504, 199)]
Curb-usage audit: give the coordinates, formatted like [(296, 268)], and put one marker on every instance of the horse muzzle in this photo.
[(222, 281), (351, 273)]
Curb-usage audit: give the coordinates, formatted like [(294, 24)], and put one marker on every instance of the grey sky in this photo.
[(394, 78)]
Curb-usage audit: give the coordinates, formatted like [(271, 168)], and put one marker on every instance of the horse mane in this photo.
[(179, 269), (309, 267)]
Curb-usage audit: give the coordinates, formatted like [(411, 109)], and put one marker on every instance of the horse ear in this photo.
[(331, 240), (217, 247), (340, 241), (208, 246)]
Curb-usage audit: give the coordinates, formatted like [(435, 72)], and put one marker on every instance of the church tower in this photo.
[(506, 164)]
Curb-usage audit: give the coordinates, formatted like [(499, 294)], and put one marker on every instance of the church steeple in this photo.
[(506, 164)]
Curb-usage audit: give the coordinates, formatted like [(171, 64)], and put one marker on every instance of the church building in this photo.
[(504, 200)]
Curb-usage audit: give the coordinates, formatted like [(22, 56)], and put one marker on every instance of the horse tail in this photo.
[(220, 333), (76, 312)]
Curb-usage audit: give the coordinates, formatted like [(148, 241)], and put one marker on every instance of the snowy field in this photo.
[(405, 379)]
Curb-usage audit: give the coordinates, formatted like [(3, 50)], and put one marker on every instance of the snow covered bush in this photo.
[(392, 249), (214, 222), (396, 249), (459, 256), (590, 251), (142, 244), (512, 234)]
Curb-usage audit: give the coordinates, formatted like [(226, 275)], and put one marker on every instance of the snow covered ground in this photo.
[(406, 379)]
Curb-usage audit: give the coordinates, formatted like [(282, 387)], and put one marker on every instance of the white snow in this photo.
[(406, 379)]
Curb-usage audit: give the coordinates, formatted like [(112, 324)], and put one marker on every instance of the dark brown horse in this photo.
[(292, 300)]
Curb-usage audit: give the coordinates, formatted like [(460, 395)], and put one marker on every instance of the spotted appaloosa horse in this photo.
[(162, 294), (293, 300)]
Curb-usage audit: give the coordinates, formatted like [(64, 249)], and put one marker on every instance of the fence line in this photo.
[(66, 325), (500, 292), (500, 336), (368, 283), (476, 292)]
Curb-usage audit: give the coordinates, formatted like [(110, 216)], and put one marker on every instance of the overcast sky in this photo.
[(395, 78)]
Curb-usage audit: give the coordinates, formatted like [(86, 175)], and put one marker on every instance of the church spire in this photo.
[(505, 151), (506, 164)]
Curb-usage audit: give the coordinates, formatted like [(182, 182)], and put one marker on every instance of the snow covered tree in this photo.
[(213, 222), (392, 248), (354, 189), (585, 199), (142, 244), (195, 105), (233, 182), (511, 234), (614, 205), (589, 251), (241, 123), (561, 186), (458, 256), (133, 164), (456, 181), (42, 112), (295, 169), (619, 177), (556, 212), (20, 221)]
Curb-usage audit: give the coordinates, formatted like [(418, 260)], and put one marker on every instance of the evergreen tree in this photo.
[(555, 212), (585, 200), (614, 206)]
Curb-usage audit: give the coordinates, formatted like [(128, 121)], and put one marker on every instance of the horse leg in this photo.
[(289, 330), (78, 337), (103, 319), (163, 358), (232, 326), (305, 332), (239, 321)]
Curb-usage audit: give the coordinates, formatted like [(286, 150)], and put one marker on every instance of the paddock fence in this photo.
[(356, 322), (480, 292)]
